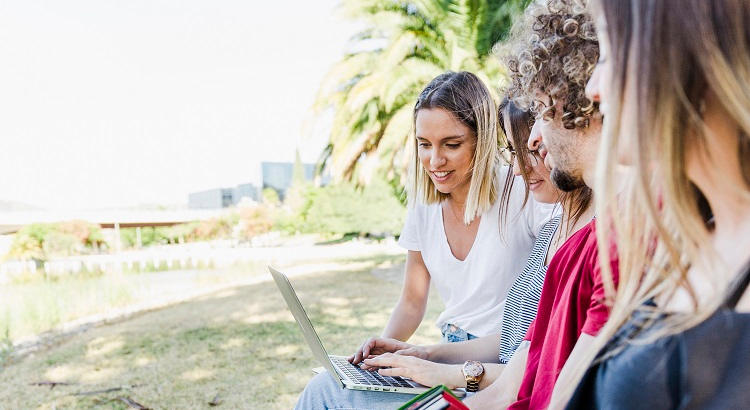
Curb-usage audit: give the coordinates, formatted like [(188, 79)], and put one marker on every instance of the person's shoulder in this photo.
[(580, 243), (589, 230), (590, 243), (586, 235)]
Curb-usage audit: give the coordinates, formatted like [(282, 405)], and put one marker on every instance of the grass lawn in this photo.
[(239, 347), (38, 306)]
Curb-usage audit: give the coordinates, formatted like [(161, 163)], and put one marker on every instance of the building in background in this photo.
[(245, 191), (222, 197), (276, 175), (279, 175)]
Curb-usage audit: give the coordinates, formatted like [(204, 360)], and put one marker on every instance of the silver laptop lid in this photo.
[(311, 337)]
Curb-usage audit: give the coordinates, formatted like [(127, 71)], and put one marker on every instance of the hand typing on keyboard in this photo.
[(376, 346), (421, 371)]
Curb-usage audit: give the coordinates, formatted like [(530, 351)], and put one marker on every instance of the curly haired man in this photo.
[(550, 59)]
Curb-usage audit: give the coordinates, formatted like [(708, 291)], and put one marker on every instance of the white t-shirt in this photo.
[(474, 290)]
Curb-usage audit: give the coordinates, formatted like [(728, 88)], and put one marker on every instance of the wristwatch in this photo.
[(473, 372)]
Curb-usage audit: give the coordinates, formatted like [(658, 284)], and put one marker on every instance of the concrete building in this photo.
[(276, 175), (222, 197), (246, 191)]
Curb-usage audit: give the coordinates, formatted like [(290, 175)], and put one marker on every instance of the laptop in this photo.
[(344, 373)]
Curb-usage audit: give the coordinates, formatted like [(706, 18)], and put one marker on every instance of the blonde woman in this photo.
[(453, 233), (673, 81), (456, 239)]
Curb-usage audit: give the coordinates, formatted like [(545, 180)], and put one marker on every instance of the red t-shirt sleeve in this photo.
[(597, 312)]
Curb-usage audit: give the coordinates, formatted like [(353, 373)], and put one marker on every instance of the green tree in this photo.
[(270, 196), (295, 194), (298, 170), (343, 208), (404, 45)]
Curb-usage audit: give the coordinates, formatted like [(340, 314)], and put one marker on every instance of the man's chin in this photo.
[(565, 181)]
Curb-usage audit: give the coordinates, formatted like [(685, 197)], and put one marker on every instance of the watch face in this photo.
[(473, 369)]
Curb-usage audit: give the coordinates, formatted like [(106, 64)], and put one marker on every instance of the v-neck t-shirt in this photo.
[(474, 290)]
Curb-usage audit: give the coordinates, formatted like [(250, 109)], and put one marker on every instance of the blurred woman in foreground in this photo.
[(673, 82)]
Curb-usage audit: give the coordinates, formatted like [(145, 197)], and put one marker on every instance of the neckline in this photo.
[(445, 235), (549, 240)]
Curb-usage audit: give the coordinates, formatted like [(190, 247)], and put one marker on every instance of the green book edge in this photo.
[(428, 393)]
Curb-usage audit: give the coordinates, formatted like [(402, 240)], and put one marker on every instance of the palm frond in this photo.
[(372, 90)]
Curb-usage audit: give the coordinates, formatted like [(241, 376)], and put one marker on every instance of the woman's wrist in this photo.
[(430, 351), (457, 379)]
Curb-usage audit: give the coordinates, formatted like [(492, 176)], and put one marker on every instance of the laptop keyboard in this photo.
[(368, 377)]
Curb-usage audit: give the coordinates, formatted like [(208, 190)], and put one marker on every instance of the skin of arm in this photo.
[(434, 364), (504, 390), (430, 373), (483, 349), (583, 344), (410, 309)]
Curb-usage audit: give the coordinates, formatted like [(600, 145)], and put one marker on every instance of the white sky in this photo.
[(107, 103)]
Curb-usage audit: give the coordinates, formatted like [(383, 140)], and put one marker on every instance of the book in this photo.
[(437, 398)]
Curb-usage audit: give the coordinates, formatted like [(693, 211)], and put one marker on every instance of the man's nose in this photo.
[(535, 137)]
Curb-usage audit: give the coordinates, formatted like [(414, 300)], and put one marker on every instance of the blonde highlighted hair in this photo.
[(465, 96), (673, 53)]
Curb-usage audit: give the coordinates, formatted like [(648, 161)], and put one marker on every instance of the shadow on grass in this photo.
[(343, 239), (242, 348)]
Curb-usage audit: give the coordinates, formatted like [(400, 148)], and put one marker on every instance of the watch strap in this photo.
[(472, 385)]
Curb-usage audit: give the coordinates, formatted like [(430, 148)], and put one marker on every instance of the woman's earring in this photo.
[(702, 106)]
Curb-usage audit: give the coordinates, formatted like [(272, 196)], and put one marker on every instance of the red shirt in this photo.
[(572, 302)]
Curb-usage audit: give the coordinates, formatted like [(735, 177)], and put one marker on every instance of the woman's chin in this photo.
[(443, 189)]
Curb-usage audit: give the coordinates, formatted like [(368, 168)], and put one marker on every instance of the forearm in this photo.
[(409, 311), (503, 391), (452, 375), (404, 320), (484, 349), (492, 371)]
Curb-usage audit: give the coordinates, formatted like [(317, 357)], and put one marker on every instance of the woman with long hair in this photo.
[(453, 234), (468, 230), (673, 82)]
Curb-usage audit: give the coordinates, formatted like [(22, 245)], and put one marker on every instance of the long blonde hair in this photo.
[(671, 52), (465, 96)]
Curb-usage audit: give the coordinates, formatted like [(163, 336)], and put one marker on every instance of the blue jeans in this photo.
[(453, 334), (322, 392)]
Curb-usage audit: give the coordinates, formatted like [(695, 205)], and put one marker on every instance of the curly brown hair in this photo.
[(553, 49)]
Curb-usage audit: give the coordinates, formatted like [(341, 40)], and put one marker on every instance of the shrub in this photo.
[(61, 244), (40, 241), (346, 209), (215, 228), (254, 221), (271, 197)]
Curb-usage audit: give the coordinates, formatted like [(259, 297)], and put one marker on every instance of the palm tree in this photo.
[(406, 43)]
